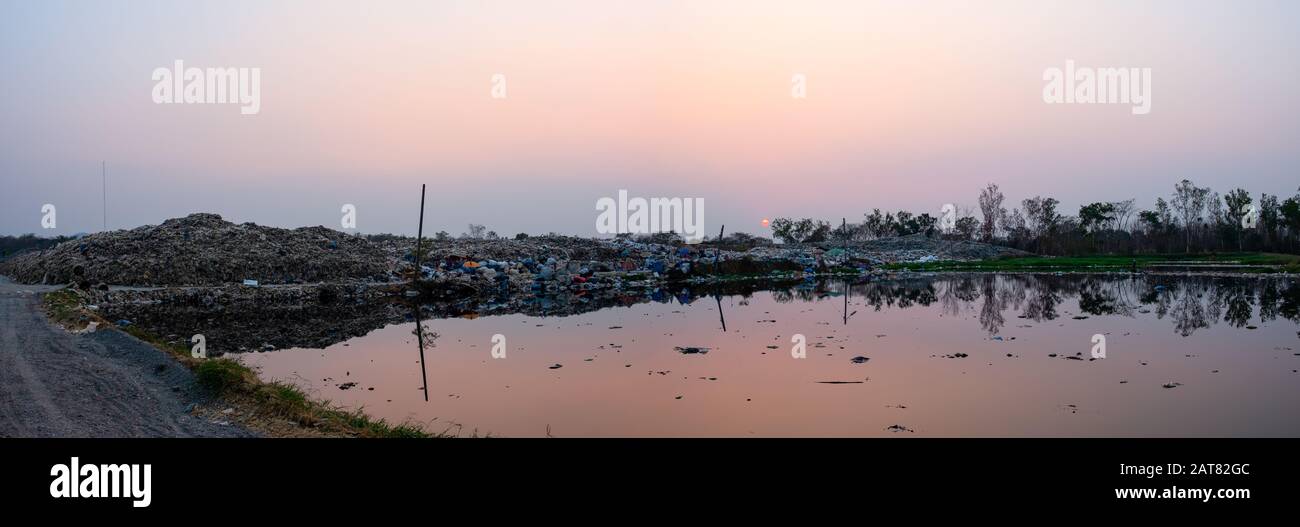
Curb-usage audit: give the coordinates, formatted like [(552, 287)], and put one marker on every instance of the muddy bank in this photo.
[(92, 384), (238, 319), (243, 319)]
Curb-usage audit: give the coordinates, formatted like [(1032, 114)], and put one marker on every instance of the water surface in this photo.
[(947, 355)]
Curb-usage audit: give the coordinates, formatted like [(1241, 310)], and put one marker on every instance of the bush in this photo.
[(222, 375)]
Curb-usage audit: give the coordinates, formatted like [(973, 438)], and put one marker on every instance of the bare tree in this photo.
[(991, 208), (1189, 203), (1123, 214)]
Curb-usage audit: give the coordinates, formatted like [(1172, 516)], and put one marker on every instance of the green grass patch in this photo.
[(1236, 262), (64, 307), (290, 402), (224, 376), (177, 349)]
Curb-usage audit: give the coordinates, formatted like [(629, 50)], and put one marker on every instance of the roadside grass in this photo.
[(1237, 262), (64, 308), (239, 385)]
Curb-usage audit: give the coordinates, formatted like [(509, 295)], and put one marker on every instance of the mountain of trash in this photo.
[(205, 250)]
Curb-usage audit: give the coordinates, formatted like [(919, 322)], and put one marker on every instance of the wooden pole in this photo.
[(717, 251), (419, 236), (844, 231)]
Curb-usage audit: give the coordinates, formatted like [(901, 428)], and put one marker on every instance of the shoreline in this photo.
[(280, 409)]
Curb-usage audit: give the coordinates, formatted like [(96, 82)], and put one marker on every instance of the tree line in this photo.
[(12, 245), (1193, 219)]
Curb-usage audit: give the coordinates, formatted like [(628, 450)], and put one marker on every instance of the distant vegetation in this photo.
[(11, 245), (1236, 262), (1194, 220)]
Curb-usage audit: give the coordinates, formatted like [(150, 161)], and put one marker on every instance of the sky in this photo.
[(906, 105)]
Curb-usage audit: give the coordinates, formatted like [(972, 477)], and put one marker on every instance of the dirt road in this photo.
[(100, 384)]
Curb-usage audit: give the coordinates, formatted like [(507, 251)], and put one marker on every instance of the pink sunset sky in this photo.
[(909, 105)]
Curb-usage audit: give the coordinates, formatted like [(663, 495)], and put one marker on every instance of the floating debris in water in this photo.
[(1172, 385), (859, 359), (691, 350), (555, 366), (899, 428)]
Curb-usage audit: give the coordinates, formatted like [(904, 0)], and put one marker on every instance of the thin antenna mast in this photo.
[(104, 180)]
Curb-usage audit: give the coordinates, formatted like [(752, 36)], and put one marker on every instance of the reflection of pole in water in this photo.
[(847, 291), (419, 336), (720, 316)]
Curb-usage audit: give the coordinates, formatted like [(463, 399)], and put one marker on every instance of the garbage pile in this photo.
[(203, 249), (921, 248), (555, 264)]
